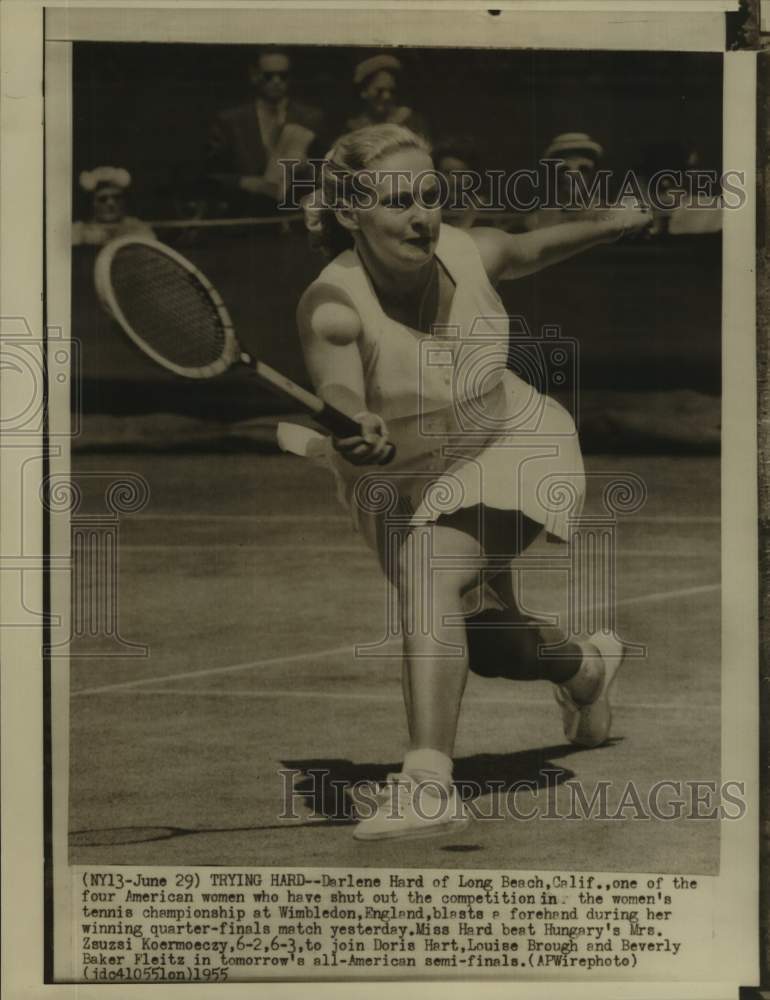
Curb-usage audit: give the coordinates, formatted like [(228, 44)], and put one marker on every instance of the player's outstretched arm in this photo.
[(329, 330), (510, 256)]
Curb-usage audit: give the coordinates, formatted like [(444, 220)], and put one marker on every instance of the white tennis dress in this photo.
[(467, 430)]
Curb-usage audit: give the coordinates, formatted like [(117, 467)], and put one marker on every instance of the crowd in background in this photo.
[(240, 173)]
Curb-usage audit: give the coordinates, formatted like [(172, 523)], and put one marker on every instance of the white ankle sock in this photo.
[(429, 765)]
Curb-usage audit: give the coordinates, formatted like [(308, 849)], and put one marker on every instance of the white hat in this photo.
[(574, 142), (373, 65), (90, 179)]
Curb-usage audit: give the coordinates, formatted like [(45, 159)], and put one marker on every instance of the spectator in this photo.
[(377, 79), (247, 143), (580, 156), (456, 158), (106, 189)]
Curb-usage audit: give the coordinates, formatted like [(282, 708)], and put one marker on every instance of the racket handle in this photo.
[(341, 425)]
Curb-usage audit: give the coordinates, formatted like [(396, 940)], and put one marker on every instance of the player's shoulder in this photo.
[(328, 312), (467, 248), (492, 246), (485, 238), (452, 236)]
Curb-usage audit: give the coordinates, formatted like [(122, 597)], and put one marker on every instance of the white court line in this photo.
[(670, 519), (325, 518), (213, 516), (665, 595), (337, 650), (192, 548), (273, 661), (682, 706)]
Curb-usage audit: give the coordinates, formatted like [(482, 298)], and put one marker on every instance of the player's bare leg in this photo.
[(435, 650), (420, 801)]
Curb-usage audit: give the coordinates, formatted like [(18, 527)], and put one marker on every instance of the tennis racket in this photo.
[(173, 313)]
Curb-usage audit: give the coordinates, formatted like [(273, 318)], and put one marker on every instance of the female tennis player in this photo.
[(404, 331)]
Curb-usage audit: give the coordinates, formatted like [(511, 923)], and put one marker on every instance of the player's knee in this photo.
[(499, 645), (416, 567), (448, 586)]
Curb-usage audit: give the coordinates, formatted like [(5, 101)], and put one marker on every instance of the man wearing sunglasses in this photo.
[(248, 143)]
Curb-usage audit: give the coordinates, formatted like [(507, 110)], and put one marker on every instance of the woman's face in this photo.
[(380, 94), (401, 229), (108, 203), (574, 164)]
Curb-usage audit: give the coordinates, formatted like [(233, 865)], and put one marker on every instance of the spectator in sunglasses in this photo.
[(105, 190), (247, 143)]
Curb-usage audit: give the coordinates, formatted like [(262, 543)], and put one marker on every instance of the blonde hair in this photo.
[(351, 153)]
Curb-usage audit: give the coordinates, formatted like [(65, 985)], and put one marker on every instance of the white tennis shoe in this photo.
[(404, 808), (588, 725)]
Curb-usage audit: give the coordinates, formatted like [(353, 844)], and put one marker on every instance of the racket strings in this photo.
[(169, 309)]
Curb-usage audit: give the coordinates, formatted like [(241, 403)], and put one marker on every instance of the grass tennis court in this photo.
[(250, 589)]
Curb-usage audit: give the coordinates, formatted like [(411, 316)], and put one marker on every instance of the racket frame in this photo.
[(103, 283), (327, 416)]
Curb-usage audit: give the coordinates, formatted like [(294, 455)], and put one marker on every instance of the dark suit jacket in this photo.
[(235, 147)]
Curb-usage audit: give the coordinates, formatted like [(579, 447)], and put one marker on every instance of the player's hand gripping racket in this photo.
[(175, 315)]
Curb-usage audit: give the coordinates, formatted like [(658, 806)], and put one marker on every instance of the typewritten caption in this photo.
[(219, 925)]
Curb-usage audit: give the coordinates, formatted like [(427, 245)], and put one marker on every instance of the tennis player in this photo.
[(475, 444)]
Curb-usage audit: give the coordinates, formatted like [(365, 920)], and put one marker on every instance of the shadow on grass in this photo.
[(321, 787)]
